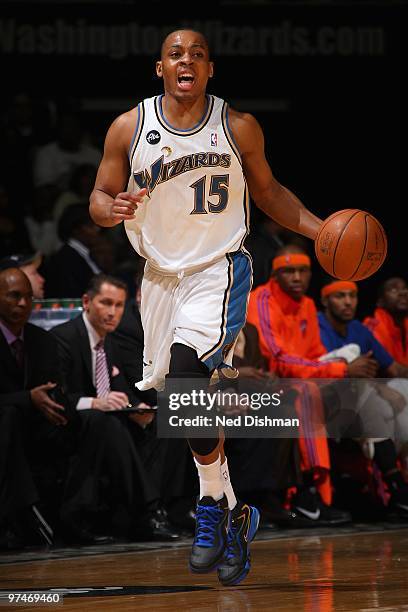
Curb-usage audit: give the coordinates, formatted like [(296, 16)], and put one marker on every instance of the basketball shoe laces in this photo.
[(208, 519), (232, 548)]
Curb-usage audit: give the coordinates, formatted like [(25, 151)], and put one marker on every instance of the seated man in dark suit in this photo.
[(68, 272), (33, 425), (18, 492), (168, 461), (93, 370)]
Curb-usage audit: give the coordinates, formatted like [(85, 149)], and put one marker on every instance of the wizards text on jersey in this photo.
[(160, 172)]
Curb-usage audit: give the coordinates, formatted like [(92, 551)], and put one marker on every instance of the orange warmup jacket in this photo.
[(383, 327), (290, 339), (289, 334)]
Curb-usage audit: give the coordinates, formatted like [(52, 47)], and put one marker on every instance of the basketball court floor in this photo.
[(361, 567)]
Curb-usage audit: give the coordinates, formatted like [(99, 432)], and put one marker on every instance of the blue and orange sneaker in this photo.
[(244, 521), (210, 537)]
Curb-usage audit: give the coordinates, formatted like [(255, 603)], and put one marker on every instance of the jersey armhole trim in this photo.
[(228, 132), (137, 132)]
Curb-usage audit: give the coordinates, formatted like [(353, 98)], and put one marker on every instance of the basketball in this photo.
[(351, 245)]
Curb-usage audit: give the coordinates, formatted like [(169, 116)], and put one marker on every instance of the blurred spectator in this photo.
[(103, 251), (55, 162), (92, 366), (339, 328), (26, 124), (288, 328), (69, 271), (41, 226), (13, 234), (32, 398), (29, 264), (389, 324), (18, 492), (79, 189)]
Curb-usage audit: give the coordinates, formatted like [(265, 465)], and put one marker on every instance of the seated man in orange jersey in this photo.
[(380, 409), (389, 324), (288, 328)]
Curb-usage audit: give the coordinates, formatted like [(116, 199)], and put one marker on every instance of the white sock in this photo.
[(228, 490), (211, 484)]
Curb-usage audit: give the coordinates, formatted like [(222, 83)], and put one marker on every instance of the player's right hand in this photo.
[(126, 204), (363, 367), (115, 400)]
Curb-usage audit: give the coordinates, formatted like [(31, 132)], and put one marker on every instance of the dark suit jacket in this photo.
[(41, 366), (22, 425), (76, 361), (67, 274), (130, 338)]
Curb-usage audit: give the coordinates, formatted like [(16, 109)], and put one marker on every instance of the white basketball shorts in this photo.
[(204, 310)]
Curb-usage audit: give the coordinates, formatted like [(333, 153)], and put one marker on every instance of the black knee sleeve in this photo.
[(203, 446), (185, 364), (184, 360)]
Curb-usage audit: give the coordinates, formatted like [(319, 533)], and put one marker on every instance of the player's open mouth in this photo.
[(185, 80)]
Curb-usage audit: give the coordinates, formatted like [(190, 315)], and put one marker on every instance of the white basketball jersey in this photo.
[(197, 209)]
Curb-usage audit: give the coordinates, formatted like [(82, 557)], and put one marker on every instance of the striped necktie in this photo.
[(102, 382)]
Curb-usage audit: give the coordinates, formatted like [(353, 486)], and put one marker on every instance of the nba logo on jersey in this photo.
[(214, 139)]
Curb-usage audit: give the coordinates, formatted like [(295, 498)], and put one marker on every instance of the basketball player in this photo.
[(177, 169)]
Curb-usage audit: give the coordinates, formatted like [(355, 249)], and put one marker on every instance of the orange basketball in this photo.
[(351, 244)]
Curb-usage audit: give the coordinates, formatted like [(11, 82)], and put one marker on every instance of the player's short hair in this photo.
[(186, 29), (96, 282)]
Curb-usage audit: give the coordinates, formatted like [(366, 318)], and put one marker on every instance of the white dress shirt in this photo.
[(84, 403)]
